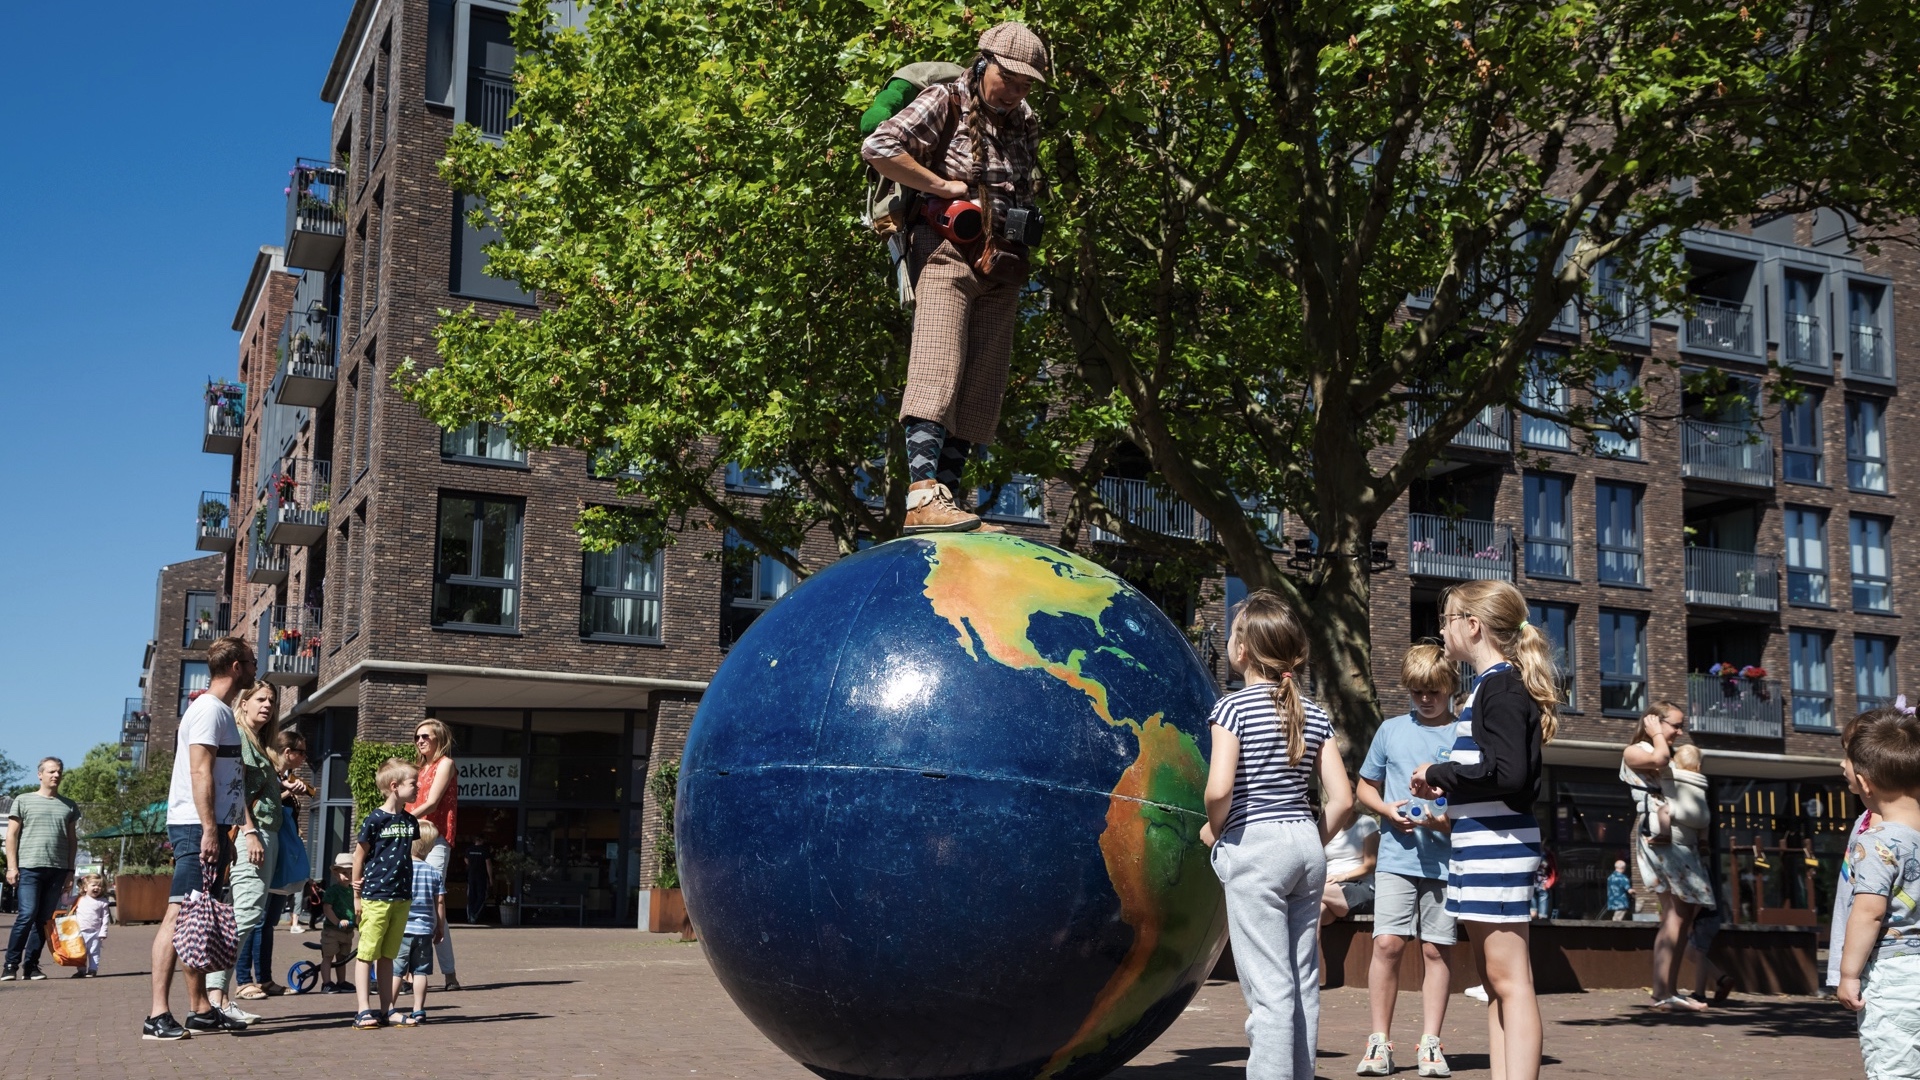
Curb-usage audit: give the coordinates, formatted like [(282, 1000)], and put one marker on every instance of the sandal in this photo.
[(396, 1018), (367, 1020), (415, 1017), (251, 992), (1722, 989)]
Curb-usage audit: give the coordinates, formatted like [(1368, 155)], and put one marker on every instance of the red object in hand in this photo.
[(959, 220)]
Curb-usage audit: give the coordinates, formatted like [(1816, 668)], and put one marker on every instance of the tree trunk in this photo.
[(1338, 621)]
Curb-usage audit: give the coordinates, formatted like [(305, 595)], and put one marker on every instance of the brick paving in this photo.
[(567, 1003)]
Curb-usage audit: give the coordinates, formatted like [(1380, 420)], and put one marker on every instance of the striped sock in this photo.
[(924, 439)]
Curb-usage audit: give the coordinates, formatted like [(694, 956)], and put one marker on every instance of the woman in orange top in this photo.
[(438, 802)]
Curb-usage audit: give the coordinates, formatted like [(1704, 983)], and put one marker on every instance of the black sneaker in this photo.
[(213, 1022), (162, 1028), (81, 974), (9, 974), (33, 974)]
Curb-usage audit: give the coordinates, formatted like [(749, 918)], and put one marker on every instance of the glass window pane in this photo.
[(456, 536), (601, 569)]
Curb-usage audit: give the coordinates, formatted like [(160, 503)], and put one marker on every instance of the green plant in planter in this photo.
[(213, 513), (664, 786)]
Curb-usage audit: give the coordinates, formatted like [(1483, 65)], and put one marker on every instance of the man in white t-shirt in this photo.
[(203, 802)]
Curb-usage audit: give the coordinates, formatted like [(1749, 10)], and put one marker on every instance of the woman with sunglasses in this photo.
[(438, 802)]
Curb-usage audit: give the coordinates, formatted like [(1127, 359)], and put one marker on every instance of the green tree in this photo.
[(1243, 195), (11, 772)]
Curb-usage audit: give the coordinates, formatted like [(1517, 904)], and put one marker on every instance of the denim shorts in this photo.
[(416, 955), (187, 874)]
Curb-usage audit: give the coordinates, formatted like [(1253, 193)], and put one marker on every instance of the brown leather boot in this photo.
[(930, 508)]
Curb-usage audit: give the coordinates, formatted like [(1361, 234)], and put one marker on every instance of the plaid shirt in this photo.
[(1013, 145)]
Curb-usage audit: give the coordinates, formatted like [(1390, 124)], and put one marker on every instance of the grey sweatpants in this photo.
[(1273, 874)]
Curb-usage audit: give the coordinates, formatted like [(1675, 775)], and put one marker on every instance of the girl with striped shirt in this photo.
[(1269, 741), (1491, 778)]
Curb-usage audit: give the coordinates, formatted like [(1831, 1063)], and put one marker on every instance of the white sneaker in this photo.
[(1433, 1062), (239, 1015), (1378, 1060), (1477, 993)]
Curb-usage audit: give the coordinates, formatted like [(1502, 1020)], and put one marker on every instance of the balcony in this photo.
[(215, 525), (309, 358), (1867, 354), (316, 215), (266, 563), (1488, 431), (1137, 503), (1739, 580), (226, 415), (1800, 342), (297, 505), (1727, 453), (134, 721), (289, 647), (1734, 705), (209, 624), (491, 108), (1618, 314), (1721, 326), (1458, 549)]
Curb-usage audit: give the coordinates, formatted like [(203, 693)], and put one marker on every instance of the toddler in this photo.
[(1880, 960), (91, 909)]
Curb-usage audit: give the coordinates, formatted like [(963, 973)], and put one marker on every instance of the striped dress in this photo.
[(1495, 849)]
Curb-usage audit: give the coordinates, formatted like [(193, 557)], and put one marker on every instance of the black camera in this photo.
[(1022, 225)]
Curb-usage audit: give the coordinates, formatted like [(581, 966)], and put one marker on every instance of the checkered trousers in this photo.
[(963, 326)]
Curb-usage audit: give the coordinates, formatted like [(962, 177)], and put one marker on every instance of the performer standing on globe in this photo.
[(1269, 741), (1491, 779), (972, 139)]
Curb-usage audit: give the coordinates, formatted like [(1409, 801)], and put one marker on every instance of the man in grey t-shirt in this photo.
[(42, 835)]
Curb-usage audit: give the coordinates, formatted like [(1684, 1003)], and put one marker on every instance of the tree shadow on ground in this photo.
[(345, 1020), (1191, 1064), (1758, 1016)]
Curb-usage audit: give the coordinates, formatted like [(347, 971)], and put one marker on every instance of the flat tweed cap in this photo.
[(1017, 49)]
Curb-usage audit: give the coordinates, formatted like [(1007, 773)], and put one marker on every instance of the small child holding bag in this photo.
[(91, 910)]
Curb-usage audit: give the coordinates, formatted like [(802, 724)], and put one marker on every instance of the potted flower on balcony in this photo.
[(286, 642), (203, 624), (213, 513), (283, 489)]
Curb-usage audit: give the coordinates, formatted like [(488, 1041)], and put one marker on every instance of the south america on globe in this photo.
[(939, 816)]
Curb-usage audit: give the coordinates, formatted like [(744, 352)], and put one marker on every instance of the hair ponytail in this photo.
[(1276, 648), (1502, 612)]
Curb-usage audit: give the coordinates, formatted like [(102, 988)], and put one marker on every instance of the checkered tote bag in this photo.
[(204, 935)]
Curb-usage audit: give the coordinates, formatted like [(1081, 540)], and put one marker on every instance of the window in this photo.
[(199, 605), (622, 595), (753, 583), (1623, 662), (1872, 671), (1617, 384), (194, 677), (1617, 532), (1802, 459), (1800, 337), (1545, 391), (756, 481), (1556, 621), (1872, 565), (611, 463), (1867, 444), (1811, 655), (1807, 557), (468, 264), (440, 52), (369, 401), (1019, 499), (481, 440), (476, 581), (1549, 524), (490, 90)]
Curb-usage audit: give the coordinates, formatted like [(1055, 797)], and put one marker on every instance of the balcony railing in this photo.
[(226, 406), (297, 505), (289, 649), (209, 623), (266, 563), (1734, 706), (1728, 453), (134, 721), (1740, 580), (1800, 341), (1489, 430), (491, 109), (1137, 503), (1867, 354), (316, 214), (214, 521), (309, 358), (1618, 313), (1721, 325), (1458, 549)]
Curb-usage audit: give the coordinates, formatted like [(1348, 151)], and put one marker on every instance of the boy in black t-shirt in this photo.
[(383, 888)]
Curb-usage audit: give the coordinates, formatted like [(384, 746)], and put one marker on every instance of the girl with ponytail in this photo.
[(1491, 778), (1269, 741)]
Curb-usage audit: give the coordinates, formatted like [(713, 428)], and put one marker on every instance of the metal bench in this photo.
[(561, 895)]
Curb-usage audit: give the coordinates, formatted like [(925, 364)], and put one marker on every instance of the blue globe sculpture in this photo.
[(939, 816)]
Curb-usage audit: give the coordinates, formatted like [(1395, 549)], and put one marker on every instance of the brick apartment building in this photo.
[(189, 611), (390, 570)]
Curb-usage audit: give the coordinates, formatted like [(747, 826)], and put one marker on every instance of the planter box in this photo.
[(141, 897), (666, 912)]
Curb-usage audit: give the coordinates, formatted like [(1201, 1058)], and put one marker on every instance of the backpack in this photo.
[(889, 208)]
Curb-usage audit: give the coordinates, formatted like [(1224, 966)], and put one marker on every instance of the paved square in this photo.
[(567, 1003)]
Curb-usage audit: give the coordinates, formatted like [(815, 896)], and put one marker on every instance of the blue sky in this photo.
[(141, 170)]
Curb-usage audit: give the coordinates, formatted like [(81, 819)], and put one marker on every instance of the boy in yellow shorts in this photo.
[(383, 889)]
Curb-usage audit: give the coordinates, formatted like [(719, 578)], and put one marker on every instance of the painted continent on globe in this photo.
[(940, 812)]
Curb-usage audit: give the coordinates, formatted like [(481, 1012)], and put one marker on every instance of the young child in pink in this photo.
[(91, 909)]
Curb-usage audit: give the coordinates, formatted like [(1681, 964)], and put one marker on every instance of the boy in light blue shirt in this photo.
[(1410, 884), (426, 925)]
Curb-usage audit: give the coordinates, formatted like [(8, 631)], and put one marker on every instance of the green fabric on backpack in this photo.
[(892, 98)]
